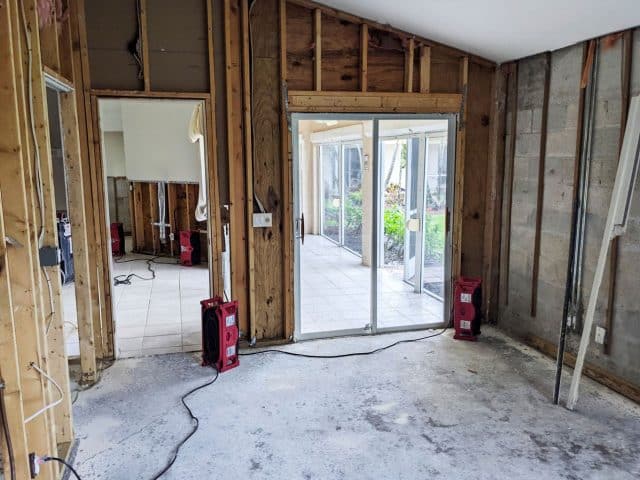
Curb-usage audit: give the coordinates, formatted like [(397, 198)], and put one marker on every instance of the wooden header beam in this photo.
[(371, 102)]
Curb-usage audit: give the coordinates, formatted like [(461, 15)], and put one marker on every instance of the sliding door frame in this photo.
[(375, 164)]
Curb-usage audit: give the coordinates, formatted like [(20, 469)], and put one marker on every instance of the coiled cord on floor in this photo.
[(194, 429), (126, 279)]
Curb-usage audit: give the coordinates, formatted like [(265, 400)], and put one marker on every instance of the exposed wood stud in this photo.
[(508, 193), (77, 214), (495, 179), (317, 55), (364, 56), (248, 154), (459, 171), (287, 183), (408, 66), (625, 88), (144, 42), (425, 69), (16, 157), (236, 161), (540, 195), (213, 195)]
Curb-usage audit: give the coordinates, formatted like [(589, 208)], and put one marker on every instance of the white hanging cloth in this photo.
[(196, 134)]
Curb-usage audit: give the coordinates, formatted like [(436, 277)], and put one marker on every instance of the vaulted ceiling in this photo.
[(497, 29)]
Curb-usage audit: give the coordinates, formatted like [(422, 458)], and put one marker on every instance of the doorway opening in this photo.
[(371, 202), (63, 223), (155, 174)]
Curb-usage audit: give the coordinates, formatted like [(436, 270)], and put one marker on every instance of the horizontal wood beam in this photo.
[(371, 102), (140, 94)]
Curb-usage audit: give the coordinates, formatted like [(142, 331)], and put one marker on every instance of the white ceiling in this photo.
[(500, 30)]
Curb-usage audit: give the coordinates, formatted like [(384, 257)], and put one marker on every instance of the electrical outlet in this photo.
[(600, 335), (262, 220)]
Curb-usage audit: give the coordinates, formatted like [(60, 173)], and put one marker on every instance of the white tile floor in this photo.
[(162, 315), (336, 292), (152, 317)]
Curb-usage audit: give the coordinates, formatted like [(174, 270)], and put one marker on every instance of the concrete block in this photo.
[(605, 142), (560, 167), (524, 121), (528, 144), (608, 112), (557, 119), (561, 143)]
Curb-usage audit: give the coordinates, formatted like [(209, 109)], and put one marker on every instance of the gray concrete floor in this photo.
[(439, 408)]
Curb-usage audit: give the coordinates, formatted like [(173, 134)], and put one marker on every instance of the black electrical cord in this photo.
[(283, 352), (69, 467), (7, 434), (126, 279), (194, 429), (344, 355)]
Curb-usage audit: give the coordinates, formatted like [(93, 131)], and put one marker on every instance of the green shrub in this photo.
[(434, 238)]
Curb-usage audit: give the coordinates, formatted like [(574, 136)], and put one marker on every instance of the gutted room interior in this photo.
[(338, 240)]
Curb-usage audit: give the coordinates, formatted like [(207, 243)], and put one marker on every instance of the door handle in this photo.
[(300, 228)]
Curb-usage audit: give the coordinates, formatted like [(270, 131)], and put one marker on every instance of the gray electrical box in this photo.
[(49, 256)]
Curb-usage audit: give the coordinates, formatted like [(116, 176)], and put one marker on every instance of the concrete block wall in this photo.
[(514, 315)]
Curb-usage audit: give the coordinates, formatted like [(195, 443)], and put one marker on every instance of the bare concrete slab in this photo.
[(439, 408)]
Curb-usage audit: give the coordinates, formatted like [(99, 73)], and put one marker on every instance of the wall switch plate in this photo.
[(262, 220), (600, 335)]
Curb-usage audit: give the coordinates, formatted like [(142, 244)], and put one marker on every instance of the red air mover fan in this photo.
[(117, 239), (220, 334), (189, 248), (466, 308)]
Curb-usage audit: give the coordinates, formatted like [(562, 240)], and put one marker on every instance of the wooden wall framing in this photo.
[(31, 329)]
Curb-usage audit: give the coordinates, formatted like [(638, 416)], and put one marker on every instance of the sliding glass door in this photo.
[(373, 253)]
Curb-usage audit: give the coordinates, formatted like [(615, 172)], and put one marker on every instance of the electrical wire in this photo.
[(69, 467), (36, 153), (284, 352), (195, 426), (126, 279), (7, 435), (345, 355), (51, 405)]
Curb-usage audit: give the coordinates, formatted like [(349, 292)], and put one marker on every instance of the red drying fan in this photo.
[(220, 334)]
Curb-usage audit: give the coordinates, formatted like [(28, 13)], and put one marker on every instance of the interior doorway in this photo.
[(155, 178), (372, 196)]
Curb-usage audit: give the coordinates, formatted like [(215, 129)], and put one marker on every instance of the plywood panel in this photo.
[(178, 55), (268, 174), (340, 54), (445, 72), (299, 47), (111, 32), (475, 170), (386, 62)]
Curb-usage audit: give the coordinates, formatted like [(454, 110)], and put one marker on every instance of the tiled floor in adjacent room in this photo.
[(155, 316)]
